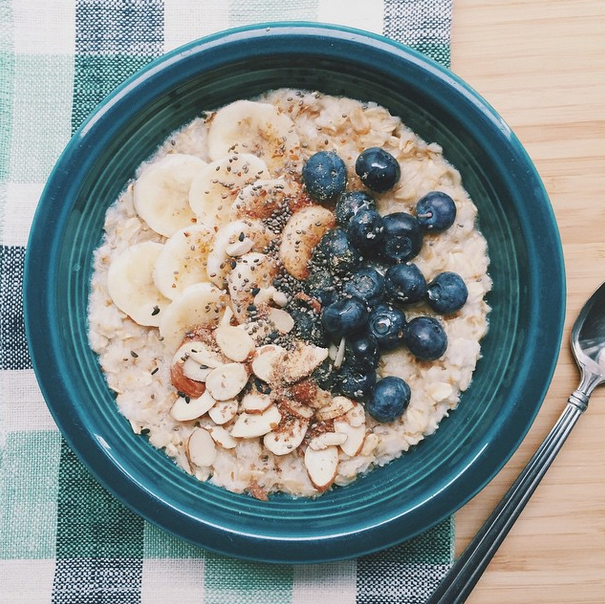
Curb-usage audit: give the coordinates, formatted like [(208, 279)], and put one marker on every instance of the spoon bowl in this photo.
[(588, 346), (588, 342)]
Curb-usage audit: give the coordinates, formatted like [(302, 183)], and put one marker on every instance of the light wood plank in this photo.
[(541, 64)]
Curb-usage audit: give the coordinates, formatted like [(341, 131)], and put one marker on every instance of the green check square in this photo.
[(439, 52), (227, 580), (7, 83), (159, 544), (41, 114), (28, 492), (98, 75), (92, 523)]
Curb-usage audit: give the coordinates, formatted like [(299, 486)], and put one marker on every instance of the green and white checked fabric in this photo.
[(63, 539)]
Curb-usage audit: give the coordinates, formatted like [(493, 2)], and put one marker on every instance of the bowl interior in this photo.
[(436, 477)]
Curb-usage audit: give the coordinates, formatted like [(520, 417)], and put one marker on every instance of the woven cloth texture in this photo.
[(63, 538)]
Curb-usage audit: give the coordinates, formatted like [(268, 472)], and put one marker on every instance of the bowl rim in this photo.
[(52, 376)]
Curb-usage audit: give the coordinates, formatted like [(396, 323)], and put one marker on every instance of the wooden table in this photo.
[(541, 64)]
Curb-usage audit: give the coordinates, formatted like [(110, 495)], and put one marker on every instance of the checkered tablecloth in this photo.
[(63, 539)]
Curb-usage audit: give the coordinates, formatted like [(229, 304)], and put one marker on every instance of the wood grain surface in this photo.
[(541, 64)]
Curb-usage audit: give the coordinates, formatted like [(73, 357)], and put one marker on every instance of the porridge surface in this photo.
[(227, 443)]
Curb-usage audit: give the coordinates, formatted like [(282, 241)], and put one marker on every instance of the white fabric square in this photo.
[(362, 14), (185, 21), (22, 406), (20, 204), (28, 581), (334, 582), (172, 580), (45, 27)]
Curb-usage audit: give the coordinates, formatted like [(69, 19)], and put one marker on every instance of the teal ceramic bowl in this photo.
[(427, 484)]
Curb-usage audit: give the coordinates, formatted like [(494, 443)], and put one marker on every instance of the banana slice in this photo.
[(213, 190), (301, 234), (251, 272), (199, 304), (131, 287), (262, 198), (183, 260), (258, 128), (226, 243), (161, 193)]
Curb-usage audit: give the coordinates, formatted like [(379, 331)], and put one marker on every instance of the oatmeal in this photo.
[(290, 293)]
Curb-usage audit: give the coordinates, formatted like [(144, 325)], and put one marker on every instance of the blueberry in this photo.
[(389, 399), (355, 383), (378, 169), (324, 175), (324, 375), (405, 283), (307, 326), (425, 338), (447, 293), (366, 284), (365, 230), (320, 285), (362, 351), (436, 211), (344, 317), (337, 253), (387, 324), (401, 237), (350, 203)]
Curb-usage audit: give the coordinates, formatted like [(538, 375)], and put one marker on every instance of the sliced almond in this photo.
[(309, 393), (182, 383), (340, 353), (264, 295), (227, 381), (282, 320), (239, 248), (201, 450), (267, 360), (251, 425), (327, 439), (287, 437), (222, 412), (322, 399), (198, 351), (302, 361), (296, 408), (355, 437), (339, 406), (183, 411), (356, 416), (227, 316), (280, 298), (321, 466), (370, 443), (194, 371), (234, 342), (256, 402), (222, 437)]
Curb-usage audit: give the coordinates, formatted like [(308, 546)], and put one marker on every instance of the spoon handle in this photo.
[(467, 570)]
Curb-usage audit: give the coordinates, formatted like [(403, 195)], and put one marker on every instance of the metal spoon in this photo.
[(588, 346)]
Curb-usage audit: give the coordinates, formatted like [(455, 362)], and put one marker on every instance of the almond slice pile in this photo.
[(244, 391)]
